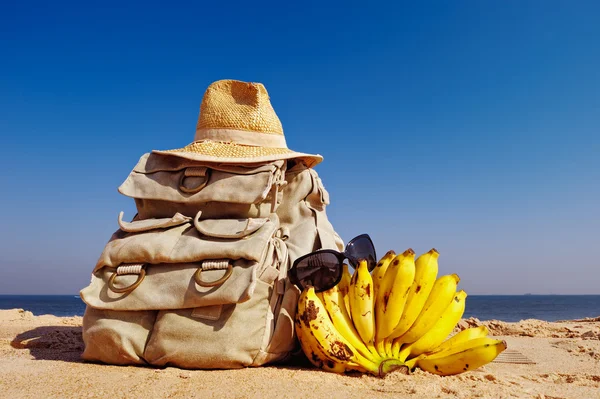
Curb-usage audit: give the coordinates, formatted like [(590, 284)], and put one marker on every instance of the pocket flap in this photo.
[(167, 178), (170, 286), (151, 224), (229, 228), (182, 243), (210, 282)]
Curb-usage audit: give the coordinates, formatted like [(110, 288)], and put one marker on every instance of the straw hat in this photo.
[(237, 124)]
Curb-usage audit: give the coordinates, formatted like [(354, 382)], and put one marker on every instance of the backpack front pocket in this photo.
[(204, 283), (233, 339), (166, 265)]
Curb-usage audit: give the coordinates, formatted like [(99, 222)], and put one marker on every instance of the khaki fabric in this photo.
[(148, 209), (116, 337), (282, 340), (184, 243), (228, 191), (304, 202), (171, 286), (232, 341), (161, 178), (151, 224), (255, 218)]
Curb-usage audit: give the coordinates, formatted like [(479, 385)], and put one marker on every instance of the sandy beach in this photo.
[(39, 358)]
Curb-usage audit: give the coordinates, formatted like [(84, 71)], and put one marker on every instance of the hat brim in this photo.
[(227, 152)]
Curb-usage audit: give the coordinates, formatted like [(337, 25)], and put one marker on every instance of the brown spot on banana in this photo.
[(367, 289), (341, 351), (316, 359), (310, 313), (417, 289)]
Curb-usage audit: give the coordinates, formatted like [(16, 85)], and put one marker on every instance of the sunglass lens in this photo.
[(320, 270), (361, 248)]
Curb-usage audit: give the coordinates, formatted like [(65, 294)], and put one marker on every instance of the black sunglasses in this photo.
[(323, 269)]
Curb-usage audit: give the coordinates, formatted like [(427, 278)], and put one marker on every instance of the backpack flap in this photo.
[(229, 228), (178, 263), (173, 179)]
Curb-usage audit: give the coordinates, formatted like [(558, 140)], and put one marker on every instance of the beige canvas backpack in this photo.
[(198, 278)]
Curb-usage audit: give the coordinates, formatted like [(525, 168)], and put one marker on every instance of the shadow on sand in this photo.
[(62, 343)]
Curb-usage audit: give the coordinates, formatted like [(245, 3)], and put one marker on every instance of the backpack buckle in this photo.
[(194, 172), (129, 269), (213, 265)]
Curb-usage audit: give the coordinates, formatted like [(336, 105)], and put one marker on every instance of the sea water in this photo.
[(484, 307)]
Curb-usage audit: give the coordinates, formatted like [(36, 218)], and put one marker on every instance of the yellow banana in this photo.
[(394, 293), (450, 363), (361, 302), (440, 330), (314, 317), (344, 286), (312, 351), (456, 345), (315, 354), (468, 334), (382, 298), (459, 347), (379, 272), (334, 303), (442, 293), (426, 270)]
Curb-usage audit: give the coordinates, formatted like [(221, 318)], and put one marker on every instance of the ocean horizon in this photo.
[(510, 308)]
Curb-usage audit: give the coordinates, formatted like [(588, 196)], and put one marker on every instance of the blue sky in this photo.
[(472, 127)]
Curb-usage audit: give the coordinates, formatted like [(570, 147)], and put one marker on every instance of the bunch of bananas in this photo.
[(398, 317)]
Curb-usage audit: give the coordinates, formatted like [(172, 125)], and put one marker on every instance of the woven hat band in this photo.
[(242, 137)]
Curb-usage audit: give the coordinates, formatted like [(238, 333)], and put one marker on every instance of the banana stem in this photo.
[(389, 365)]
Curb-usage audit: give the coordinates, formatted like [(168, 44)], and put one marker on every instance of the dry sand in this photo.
[(39, 358)]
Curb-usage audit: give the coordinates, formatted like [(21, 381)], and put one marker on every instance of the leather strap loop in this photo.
[(129, 288), (202, 283)]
